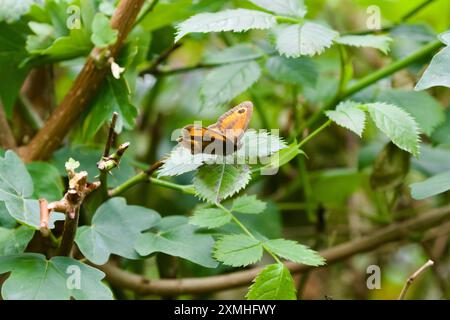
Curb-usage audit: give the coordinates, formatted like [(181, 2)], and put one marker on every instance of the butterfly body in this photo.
[(222, 137)]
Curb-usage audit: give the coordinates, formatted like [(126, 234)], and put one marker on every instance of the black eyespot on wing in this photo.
[(241, 111)]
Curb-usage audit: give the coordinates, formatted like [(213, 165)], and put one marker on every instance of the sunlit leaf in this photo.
[(238, 250), (274, 282)]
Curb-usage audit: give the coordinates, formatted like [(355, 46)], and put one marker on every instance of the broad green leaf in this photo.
[(397, 124), (379, 42), (114, 96), (13, 241), (102, 33), (349, 115), (238, 250), (431, 187), (301, 71), (274, 282), (308, 39), (174, 236), (76, 44), (291, 250), (210, 218), (114, 230), (238, 53), (437, 73), (220, 181), (46, 180), (6, 220), (224, 83), (236, 20), (60, 278), (295, 8), (16, 187), (12, 52), (425, 109), (248, 204)]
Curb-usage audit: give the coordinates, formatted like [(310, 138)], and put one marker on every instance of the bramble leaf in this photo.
[(238, 250), (295, 8), (248, 204), (379, 42), (210, 218), (349, 115), (291, 250), (274, 282), (220, 181), (236, 20)]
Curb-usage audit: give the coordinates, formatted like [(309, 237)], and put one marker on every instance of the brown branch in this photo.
[(44, 217), (70, 204), (83, 89), (7, 140), (391, 233), (413, 277)]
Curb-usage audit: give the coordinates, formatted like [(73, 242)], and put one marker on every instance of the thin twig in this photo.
[(413, 277), (153, 68), (44, 217), (111, 135), (389, 234)]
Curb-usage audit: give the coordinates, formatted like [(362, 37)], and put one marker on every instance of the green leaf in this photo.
[(236, 20), (114, 96), (224, 83), (238, 250), (35, 278), (210, 218), (248, 204), (349, 115), (259, 144), (46, 180), (425, 109), (304, 39), (12, 76), (238, 53), (176, 237), (295, 8), (437, 73), (291, 250), (114, 230), (220, 181), (102, 33), (301, 71), (274, 282), (16, 187), (379, 42), (441, 135), (433, 186), (397, 124), (14, 241), (6, 220)]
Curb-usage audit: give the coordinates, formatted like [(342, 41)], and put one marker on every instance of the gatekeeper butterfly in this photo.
[(222, 137)]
